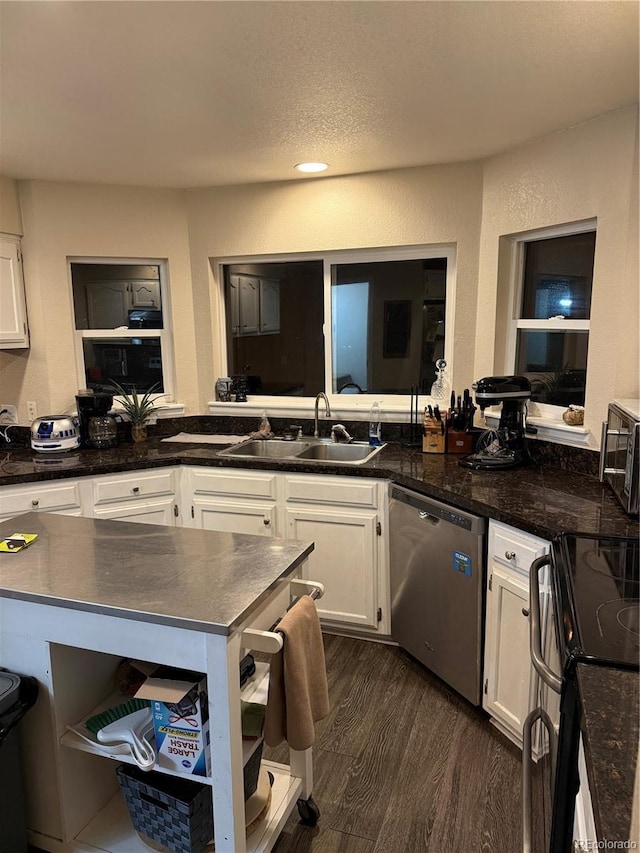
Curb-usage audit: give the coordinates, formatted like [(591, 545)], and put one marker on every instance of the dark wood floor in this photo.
[(404, 765)]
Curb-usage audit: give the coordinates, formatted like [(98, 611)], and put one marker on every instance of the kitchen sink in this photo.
[(338, 452), (313, 450), (274, 448)]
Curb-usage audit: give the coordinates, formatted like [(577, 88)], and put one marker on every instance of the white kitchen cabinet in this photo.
[(510, 683), (254, 305), (109, 302), (147, 497), (584, 823), (342, 516), (61, 496), (14, 331), (231, 501), (269, 306)]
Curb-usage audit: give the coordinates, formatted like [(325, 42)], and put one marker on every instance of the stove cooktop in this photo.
[(597, 581)]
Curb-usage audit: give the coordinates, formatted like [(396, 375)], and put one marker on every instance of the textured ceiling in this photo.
[(190, 94)]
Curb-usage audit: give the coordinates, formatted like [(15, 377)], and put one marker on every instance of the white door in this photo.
[(249, 305), (344, 560), (108, 304), (269, 306), (254, 518), (145, 294), (507, 659), (13, 313), (145, 512)]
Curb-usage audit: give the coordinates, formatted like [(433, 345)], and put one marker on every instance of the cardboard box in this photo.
[(180, 712)]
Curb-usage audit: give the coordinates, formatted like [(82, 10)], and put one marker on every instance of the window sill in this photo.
[(348, 406), (167, 410), (552, 429)]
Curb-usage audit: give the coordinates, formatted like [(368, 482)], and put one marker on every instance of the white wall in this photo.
[(439, 204), (589, 171), (65, 220)]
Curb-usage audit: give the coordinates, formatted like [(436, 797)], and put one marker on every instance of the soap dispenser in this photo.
[(375, 432)]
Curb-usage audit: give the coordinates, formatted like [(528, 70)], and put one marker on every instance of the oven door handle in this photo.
[(527, 774), (535, 630)]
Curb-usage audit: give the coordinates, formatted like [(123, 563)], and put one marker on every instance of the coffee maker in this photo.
[(504, 447), (97, 428)]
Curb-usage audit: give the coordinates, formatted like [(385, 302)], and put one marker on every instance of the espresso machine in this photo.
[(97, 428), (504, 447)]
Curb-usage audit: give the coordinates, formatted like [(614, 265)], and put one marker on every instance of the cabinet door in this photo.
[(234, 303), (269, 306), (249, 305), (507, 664), (145, 294), (14, 333), (63, 497), (254, 518), (344, 560), (108, 304), (158, 511)]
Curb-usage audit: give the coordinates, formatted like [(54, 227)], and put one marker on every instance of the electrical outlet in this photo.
[(8, 414), (32, 410)]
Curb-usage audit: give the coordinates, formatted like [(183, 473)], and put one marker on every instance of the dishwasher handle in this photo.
[(426, 516)]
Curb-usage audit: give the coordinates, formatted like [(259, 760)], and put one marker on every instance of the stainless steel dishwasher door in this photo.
[(438, 566)]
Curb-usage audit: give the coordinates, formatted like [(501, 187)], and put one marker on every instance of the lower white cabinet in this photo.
[(343, 516), (510, 683), (60, 496), (146, 497)]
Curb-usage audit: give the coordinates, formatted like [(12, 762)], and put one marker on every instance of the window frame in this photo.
[(355, 404), (542, 414), (165, 334)]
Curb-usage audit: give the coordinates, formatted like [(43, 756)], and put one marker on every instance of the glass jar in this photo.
[(102, 431)]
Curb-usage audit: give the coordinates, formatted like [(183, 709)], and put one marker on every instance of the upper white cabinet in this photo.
[(255, 305), (109, 302), (14, 332), (510, 683)]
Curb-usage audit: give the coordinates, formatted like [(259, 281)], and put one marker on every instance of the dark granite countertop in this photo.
[(611, 727), (540, 499)]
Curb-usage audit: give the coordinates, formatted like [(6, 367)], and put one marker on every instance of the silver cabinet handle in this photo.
[(35, 502), (266, 522), (535, 632), (509, 555), (525, 611), (527, 729), (135, 490)]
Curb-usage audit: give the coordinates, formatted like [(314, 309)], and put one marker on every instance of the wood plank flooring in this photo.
[(403, 764)]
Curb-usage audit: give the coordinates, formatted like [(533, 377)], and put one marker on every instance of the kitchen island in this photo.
[(88, 593)]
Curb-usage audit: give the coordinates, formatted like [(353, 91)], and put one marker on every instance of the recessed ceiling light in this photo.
[(312, 167)]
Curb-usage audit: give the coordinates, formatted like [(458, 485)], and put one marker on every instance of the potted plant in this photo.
[(138, 407)]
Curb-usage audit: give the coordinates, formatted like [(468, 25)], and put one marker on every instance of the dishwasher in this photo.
[(438, 567)]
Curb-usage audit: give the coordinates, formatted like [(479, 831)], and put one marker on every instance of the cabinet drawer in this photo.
[(132, 486), (514, 548), (337, 491), (230, 483), (46, 497)]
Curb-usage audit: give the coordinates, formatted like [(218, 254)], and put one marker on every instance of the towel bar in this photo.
[(271, 642)]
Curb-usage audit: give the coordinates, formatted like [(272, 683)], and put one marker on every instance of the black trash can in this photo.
[(18, 693)]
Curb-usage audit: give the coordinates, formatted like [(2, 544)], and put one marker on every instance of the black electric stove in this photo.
[(597, 584)]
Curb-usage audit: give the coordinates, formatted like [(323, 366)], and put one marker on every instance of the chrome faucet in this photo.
[(321, 396)]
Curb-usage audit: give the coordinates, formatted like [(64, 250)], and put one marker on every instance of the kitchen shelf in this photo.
[(254, 689), (111, 829)]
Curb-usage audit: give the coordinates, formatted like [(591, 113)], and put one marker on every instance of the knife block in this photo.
[(459, 441), (433, 440)]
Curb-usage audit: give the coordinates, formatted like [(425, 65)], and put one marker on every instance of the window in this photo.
[(121, 325), (368, 322), (553, 307)]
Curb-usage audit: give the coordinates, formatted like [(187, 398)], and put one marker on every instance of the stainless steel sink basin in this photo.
[(313, 450), (353, 453), (266, 448)]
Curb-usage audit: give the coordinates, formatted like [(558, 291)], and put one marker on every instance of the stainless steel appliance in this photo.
[(594, 586), (438, 567), (620, 452), (506, 446), (55, 433)]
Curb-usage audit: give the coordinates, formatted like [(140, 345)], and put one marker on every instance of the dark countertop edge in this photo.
[(598, 776), (158, 618), (206, 456)]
